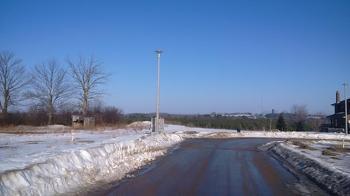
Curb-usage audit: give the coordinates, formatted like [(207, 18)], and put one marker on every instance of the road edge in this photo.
[(331, 179)]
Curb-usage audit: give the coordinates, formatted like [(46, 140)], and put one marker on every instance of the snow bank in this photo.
[(323, 173), (18, 151), (82, 168)]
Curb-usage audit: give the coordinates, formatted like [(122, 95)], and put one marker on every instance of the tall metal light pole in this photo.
[(346, 108), (158, 88)]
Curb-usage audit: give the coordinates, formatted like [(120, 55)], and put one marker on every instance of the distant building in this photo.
[(315, 116), (337, 120), (239, 115), (272, 115)]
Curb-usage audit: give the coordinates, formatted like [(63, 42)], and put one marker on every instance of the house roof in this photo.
[(341, 102), (337, 115)]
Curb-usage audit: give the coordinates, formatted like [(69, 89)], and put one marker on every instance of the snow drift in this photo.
[(80, 169)]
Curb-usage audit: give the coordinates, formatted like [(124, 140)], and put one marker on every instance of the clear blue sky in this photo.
[(220, 56)]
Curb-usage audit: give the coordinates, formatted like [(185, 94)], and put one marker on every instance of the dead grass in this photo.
[(220, 135), (339, 149), (83, 141), (302, 145), (328, 152), (110, 126), (190, 132), (335, 150), (18, 129), (25, 129)]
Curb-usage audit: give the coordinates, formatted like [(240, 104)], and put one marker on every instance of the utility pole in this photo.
[(158, 89), (346, 108)]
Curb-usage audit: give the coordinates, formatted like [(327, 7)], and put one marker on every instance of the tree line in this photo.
[(51, 91), (296, 120), (245, 123)]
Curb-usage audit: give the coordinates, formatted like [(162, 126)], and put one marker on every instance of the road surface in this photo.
[(217, 167)]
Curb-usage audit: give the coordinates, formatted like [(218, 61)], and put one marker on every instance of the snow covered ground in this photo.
[(20, 150), (325, 162), (53, 163), (50, 164), (17, 151), (204, 132), (329, 153)]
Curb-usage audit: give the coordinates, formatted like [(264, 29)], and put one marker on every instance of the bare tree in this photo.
[(300, 116), (50, 88), (300, 112), (87, 76), (12, 80)]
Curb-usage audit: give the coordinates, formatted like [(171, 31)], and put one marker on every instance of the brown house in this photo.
[(337, 120)]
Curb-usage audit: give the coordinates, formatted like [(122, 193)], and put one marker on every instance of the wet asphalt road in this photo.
[(217, 167)]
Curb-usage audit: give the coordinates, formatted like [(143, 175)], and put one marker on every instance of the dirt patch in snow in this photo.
[(339, 148), (190, 132), (328, 152), (302, 144), (219, 135)]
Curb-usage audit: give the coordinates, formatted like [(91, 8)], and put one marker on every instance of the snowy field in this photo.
[(61, 162), (204, 132)]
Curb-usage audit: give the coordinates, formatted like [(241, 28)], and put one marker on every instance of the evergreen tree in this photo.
[(281, 123)]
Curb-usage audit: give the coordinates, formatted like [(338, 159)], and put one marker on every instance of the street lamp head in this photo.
[(159, 51)]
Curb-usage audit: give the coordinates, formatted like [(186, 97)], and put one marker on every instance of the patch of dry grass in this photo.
[(26, 129), (302, 145), (328, 152), (339, 149), (21, 129), (100, 127), (220, 135), (190, 132)]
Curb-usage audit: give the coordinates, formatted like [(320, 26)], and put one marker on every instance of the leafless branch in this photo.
[(49, 87), (88, 76), (12, 80)]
